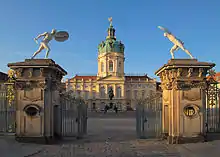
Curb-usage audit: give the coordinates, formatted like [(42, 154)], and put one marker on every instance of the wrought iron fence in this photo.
[(73, 116), (149, 116), (7, 106), (212, 106)]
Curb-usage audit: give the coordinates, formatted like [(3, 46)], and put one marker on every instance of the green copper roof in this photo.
[(111, 44)]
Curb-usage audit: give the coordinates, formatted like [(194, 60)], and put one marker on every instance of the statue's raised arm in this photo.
[(164, 29), (178, 44)]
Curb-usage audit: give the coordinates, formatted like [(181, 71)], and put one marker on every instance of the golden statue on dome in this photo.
[(110, 20)]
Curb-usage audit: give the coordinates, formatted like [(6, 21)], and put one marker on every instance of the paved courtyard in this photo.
[(109, 136)]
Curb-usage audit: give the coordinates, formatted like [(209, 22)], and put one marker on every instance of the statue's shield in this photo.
[(61, 36)]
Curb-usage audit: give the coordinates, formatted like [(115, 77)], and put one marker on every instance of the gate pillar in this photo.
[(183, 82), (37, 86)]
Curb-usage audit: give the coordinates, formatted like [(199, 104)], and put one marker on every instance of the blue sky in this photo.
[(195, 22)]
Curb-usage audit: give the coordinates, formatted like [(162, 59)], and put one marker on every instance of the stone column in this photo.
[(183, 82), (114, 90), (98, 91), (123, 91), (106, 66), (106, 91), (116, 67), (37, 85)]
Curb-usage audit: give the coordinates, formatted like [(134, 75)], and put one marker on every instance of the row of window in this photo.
[(110, 66), (117, 93), (128, 86), (86, 94), (103, 93), (140, 86), (135, 93)]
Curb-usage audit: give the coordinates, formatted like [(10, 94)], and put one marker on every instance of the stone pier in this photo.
[(37, 89), (183, 82)]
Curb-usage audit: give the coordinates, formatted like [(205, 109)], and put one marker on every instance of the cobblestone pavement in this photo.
[(134, 148), (109, 148), (109, 137)]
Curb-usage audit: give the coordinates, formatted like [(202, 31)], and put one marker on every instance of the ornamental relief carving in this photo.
[(191, 111), (30, 72), (166, 86), (166, 73), (181, 85), (169, 75), (190, 71), (192, 95), (41, 72), (56, 85), (182, 73), (30, 85), (165, 95), (19, 72), (33, 95), (201, 70), (188, 85), (179, 72)]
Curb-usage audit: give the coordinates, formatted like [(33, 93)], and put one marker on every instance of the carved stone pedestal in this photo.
[(183, 82), (37, 93)]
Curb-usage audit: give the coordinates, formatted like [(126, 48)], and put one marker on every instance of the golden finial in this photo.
[(11, 73), (110, 20), (10, 87)]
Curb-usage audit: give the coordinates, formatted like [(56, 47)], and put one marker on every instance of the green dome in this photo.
[(111, 44)]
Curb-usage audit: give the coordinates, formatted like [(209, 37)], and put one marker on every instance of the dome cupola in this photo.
[(111, 44)]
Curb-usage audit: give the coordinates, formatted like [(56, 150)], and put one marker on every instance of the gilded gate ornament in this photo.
[(10, 87)]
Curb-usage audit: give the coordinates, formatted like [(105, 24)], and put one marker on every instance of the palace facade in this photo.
[(94, 89)]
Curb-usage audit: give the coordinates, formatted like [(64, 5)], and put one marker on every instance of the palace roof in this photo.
[(127, 78)]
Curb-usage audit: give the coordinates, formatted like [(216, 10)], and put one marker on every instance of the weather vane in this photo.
[(110, 20)]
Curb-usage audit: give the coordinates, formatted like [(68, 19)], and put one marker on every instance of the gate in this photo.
[(149, 117), (212, 106), (73, 116), (7, 112)]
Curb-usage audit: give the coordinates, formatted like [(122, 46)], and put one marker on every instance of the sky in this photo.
[(196, 22)]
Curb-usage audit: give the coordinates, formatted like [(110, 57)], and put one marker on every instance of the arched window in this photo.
[(102, 92), (110, 66), (93, 94), (102, 67), (86, 95), (118, 92)]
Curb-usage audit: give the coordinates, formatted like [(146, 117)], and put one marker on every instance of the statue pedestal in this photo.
[(183, 82), (37, 97)]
